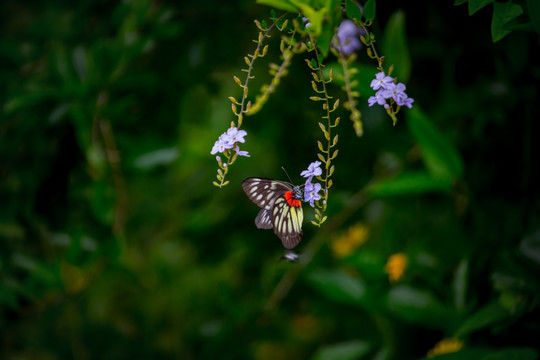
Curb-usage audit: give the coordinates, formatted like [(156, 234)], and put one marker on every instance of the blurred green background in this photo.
[(116, 245)]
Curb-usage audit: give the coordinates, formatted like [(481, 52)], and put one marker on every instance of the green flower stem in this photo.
[(244, 106), (327, 156), (356, 115), (267, 90)]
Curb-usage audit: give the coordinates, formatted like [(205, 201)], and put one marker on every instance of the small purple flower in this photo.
[(228, 139), (311, 193), (381, 81), (398, 92), (239, 152), (347, 39), (388, 89), (221, 145), (407, 101), (306, 22), (377, 99), (236, 135), (314, 169)]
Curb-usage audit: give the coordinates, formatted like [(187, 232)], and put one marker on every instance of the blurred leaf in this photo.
[(369, 9), (337, 285), (475, 5), (489, 354), (59, 112), (364, 75), (8, 295), (530, 247), (369, 263), (335, 13), (31, 98), (513, 354), (459, 2), (325, 38), (465, 354), (409, 183), (533, 9), (461, 276), (350, 350), (490, 314), (284, 5), (102, 200), (353, 10), (156, 158), (440, 156), (80, 62), (418, 306), (315, 16), (503, 13), (395, 49)]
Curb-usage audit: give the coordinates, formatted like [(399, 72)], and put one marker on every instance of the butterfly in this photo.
[(281, 208)]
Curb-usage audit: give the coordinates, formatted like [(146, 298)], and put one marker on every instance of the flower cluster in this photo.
[(229, 140), (311, 190), (347, 39), (388, 89), (306, 22)]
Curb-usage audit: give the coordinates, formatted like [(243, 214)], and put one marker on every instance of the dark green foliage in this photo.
[(114, 244)]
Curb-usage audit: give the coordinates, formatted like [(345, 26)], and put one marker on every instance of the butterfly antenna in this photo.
[(286, 173)]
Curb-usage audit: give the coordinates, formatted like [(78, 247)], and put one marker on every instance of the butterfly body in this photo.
[(281, 208)]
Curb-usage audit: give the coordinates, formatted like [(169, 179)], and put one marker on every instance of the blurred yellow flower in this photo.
[(395, 266), (445, 346), (349, 241)]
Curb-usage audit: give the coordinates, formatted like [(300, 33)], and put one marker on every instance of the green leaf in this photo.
[(475, 5), (156, 158), (395, 49), (315, 17), (503, 13), (530, 247), (325, 39), (513, 354), (418, 307), (459, 2), (369, 10), (334, 12), (465, 354), (490, 314), (338, 286), (8, 294), (533, 9), (80, 62), (284, 5), (524, 353), (353, 10), (370, 263), (409, 183), (440, 156), (350, 350), (363, 74), (459, 285)]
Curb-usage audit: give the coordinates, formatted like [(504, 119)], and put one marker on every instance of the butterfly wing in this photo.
[(287, 222), (264, 192), (264, 219)]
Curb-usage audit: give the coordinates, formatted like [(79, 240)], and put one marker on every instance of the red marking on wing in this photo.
[(290, 200)]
